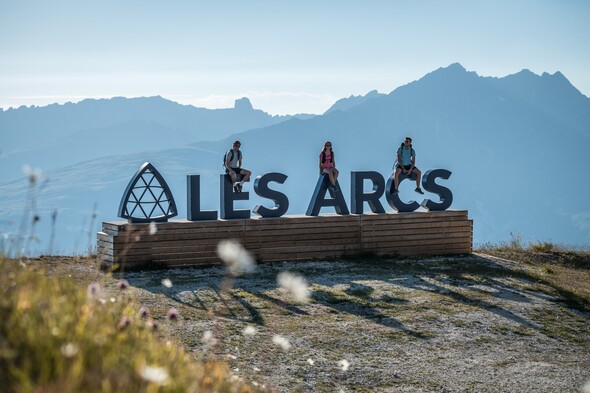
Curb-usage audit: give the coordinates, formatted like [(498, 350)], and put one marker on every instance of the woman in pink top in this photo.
[(328, 165)]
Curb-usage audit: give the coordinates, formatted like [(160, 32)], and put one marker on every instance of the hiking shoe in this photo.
[(335, 188), (239, 187), (419, 190)]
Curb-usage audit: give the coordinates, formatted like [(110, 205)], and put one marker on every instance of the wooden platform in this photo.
[(193, 243)]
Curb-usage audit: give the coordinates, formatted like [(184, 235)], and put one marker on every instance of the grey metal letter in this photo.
[(394, 200), (357, 191), (193, 199), (318, 199), (445, 195), (228, 197), (261, 188)]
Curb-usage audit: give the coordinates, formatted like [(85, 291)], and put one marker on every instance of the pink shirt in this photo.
[(328, 162)]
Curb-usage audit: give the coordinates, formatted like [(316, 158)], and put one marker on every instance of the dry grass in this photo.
[(59, 334)]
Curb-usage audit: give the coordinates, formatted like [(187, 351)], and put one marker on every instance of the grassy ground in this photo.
[(463, 323), (67, 327)]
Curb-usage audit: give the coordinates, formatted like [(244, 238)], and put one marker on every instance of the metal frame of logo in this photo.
[(147, 197)]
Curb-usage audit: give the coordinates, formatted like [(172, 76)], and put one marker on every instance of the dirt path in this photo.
[(442, 324)]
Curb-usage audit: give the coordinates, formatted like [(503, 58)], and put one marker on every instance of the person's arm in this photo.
[(413, 160), (333, 161), (320, 163), (240, 162), (399, 160), (227, 160)]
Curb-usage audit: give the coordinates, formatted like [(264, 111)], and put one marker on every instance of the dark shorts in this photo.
[(236, 170), (406, 167)]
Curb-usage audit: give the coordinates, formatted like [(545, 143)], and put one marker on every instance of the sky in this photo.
[(287, 57)]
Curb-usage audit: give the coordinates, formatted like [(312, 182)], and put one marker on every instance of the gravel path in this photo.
[(473, 323)]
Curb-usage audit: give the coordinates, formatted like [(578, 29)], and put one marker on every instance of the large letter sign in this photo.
[(358, 196), (193, 199), (280, 199), (445, 195), (148, 197), (228, 197), (318, 199)]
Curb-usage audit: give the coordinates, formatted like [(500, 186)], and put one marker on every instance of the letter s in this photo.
[(280, 199), (445, 195)]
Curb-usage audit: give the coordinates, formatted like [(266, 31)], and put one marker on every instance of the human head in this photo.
[(237, 144), (408, 140), (328, 144)]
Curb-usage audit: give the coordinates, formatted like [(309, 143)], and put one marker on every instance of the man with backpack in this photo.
[(406, 163), (233, 167)]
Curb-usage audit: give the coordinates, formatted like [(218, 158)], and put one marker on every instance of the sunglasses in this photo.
[(328, 145)]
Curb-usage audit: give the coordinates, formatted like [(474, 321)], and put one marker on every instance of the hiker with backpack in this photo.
[(233, 167), (406, 164), (328, 165)]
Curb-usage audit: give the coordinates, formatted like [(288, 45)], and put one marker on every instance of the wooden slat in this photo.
[(186, 243)]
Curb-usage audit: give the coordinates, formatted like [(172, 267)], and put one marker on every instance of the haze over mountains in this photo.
[(517, 147)]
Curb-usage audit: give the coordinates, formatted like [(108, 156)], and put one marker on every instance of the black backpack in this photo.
[(231, 157)]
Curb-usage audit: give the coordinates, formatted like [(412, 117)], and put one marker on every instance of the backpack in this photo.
[(324, 156), (231, 157)]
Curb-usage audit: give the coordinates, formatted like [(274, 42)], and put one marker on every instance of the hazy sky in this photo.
[(286, 56)]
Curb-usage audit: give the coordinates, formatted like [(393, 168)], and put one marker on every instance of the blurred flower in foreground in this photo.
[(156, 375), (69, 350), (173, 314), (281, 342), (153, 228), (32, 174), (93, 290), (144, 312), (167, 283), (294, 285), (208, 340), (249, 331), (236, 258), (343, 364), (123, 284)]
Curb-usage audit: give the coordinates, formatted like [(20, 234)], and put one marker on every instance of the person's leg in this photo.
[(336, 173), (417, 173), (233, 176), (396, 178), (331, 174), (245, 175)]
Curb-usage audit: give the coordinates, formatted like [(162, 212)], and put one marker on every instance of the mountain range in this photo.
[(516, 147)]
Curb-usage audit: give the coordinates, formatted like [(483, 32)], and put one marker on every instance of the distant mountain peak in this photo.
[(345, 104), (243, 104)]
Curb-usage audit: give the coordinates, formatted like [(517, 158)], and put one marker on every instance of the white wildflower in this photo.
[(281, 342), (310, 361), (232, 357), (157, 375), (249, 331), (208, 340), (32, 174), (113, 300), (294, 285), (153, 228), (167, 283), (69, 350), (343, 364), (237, 259)]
